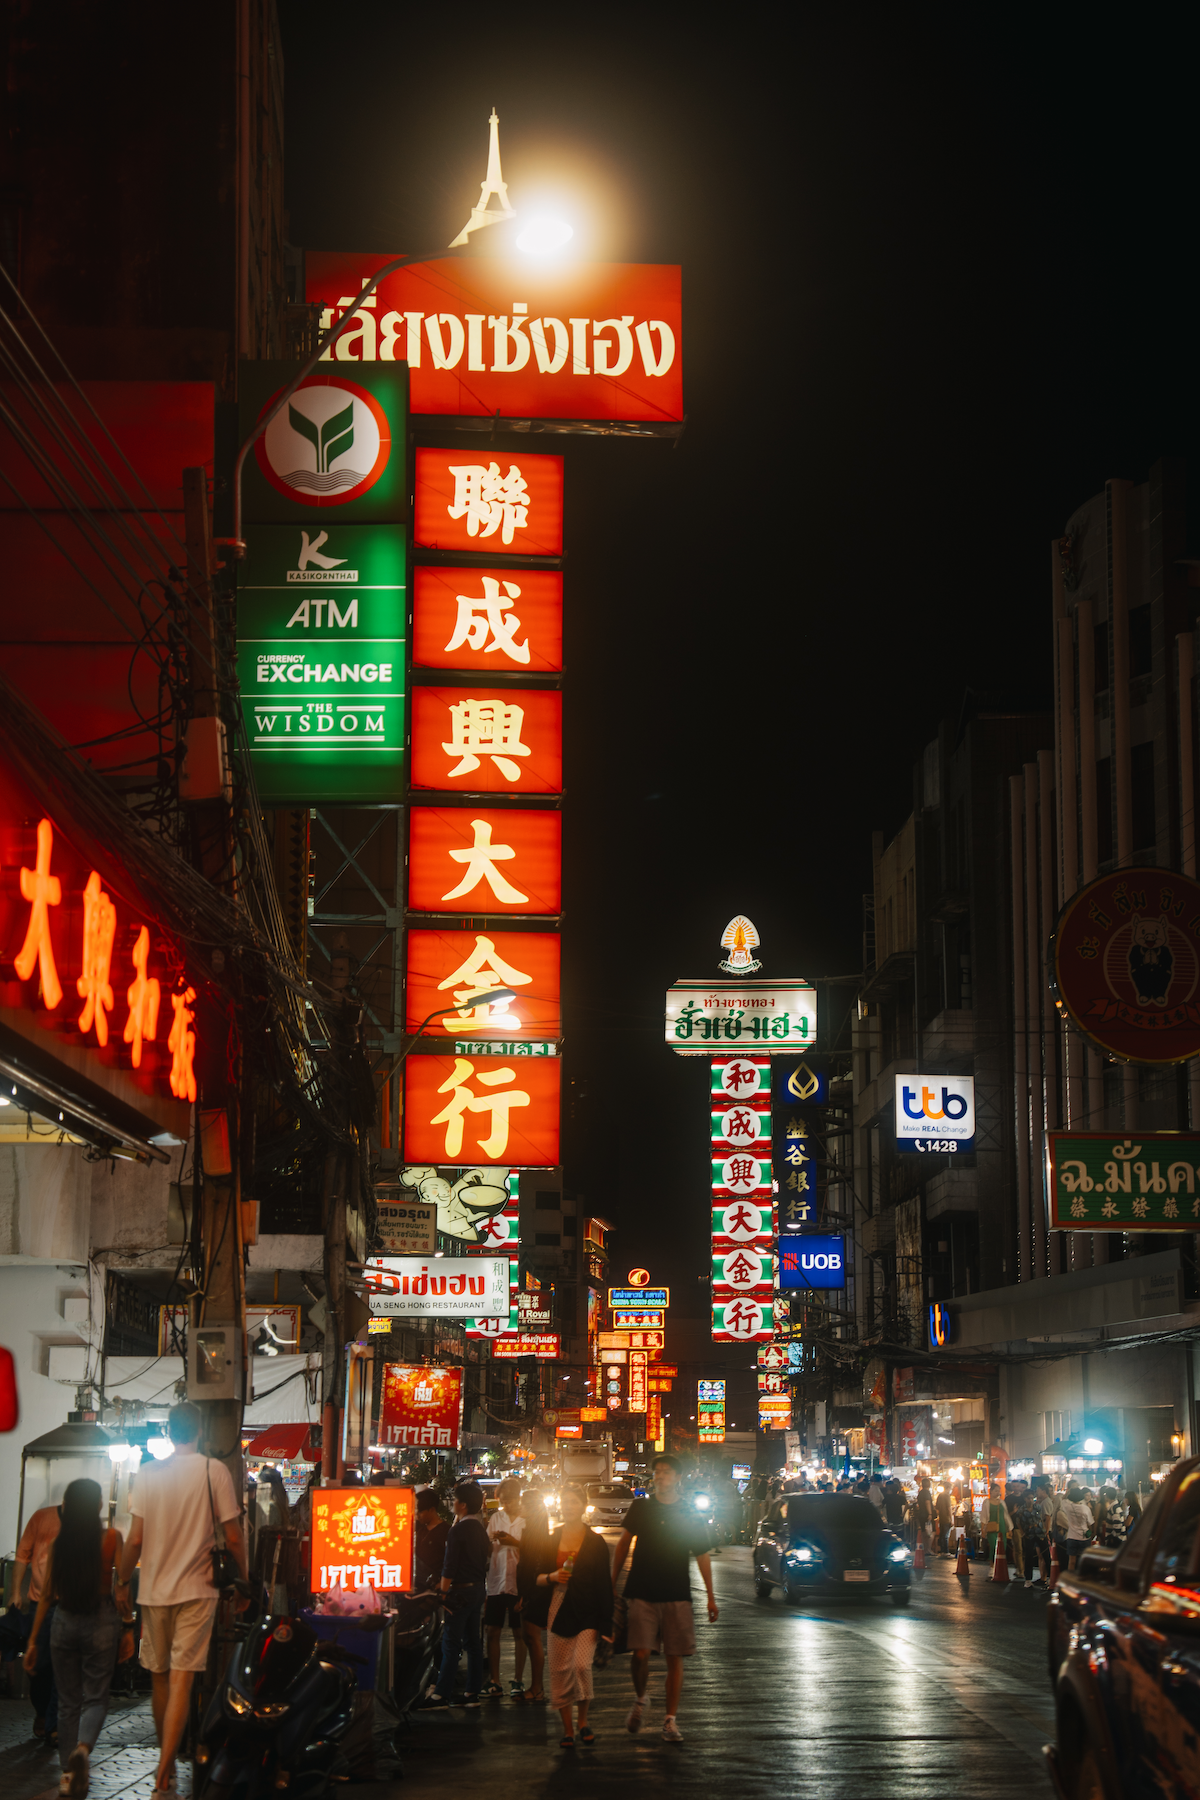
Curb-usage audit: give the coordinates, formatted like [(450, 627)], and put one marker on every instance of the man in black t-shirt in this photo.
[(666, 1533)]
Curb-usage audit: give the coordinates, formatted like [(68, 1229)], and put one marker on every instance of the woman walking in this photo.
[(87, 1627), (576, 1572), (535, 1600)]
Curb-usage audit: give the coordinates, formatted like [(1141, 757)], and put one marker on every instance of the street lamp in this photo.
[(504, 994)]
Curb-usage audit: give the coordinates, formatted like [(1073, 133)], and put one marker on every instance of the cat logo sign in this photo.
[(328, 445)]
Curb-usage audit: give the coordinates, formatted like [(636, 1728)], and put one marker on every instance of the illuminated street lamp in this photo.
[(540, 237)]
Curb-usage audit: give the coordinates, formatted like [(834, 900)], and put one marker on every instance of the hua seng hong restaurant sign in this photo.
[(586, 341), (94, 994)]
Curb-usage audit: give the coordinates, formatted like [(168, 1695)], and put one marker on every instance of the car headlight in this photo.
[(589, 1509), (237, 1703), (802, 1553), (899, 1554)]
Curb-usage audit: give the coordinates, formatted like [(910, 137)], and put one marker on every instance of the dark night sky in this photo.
[(939, 284)]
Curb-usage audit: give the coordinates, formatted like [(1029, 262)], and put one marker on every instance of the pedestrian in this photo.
[(893, 1503), (998, 1521), (177, 1509), (942, 1508), (658, 1590), (1074, 1517), (925, 1512), (574, 1570), (429, 1540), (503, 1604), (535, 1600), (87, 1631), (464, 1587), (33, 1553), (875, 1494)]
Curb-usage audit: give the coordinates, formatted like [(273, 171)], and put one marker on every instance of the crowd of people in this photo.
[(554, 1589)]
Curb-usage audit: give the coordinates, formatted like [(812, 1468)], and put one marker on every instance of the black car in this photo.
[(1125, 1658), (818, 1545)]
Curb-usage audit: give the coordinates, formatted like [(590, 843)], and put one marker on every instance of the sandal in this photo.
[(587, 1735), (536, 1694), (566, 1743)]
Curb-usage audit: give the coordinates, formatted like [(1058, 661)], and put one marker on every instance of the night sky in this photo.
[(939, 284)]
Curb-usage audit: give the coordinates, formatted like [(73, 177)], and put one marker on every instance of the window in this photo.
[(1104, 825), (1141, 783), (569, 1225), (547, 1200), (1175, 1552), (1140, 655), (1100, 654), (549, 1238)]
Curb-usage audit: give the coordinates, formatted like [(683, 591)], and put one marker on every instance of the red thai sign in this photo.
[(584, 341), (362, 1537), (545, 1345), (493, 621), (1125, 964), (420, 1406), (451, 968), (466, 1110), (487, 740), (463, 860), (502, 506), (83, 965)]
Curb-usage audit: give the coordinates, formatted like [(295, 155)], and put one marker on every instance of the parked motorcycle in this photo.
[(278, 1718)]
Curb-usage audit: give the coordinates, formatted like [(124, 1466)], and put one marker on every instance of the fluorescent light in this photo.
[(160, 1448), (542, 236)]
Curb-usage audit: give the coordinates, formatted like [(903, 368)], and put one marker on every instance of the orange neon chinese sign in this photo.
[(501, 504), (482, 1109), (487, 740), (362, 1537), (481, 862), (494, 621), (450, 969)]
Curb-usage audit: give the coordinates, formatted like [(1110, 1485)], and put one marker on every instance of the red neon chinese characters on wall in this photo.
[(43, 890), (94, 986), (182, 1045)]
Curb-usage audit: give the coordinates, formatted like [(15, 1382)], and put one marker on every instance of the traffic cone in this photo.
[(919, 1554), (1000, 1566), (962, 1566), (1054, 1570)]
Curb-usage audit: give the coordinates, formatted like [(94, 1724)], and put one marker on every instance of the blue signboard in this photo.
[(812, 1262), (795, 1082), (646, 1296)]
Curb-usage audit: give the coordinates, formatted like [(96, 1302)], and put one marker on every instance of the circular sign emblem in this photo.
[(639, 1278), (1125, 964), (328, 445)]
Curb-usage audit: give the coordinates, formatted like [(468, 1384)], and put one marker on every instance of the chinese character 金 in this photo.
[(482, 972)]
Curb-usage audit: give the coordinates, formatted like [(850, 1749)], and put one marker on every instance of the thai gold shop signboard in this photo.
[(1096, 1181)]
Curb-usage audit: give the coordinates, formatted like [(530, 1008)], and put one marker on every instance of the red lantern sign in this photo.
[(482, 1110), (480, 862), (500, 505), (487, 740), (450, 968), (1125, 964), (494, 621)]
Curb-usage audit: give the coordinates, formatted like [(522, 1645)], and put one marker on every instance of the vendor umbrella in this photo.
[(284, 1443)]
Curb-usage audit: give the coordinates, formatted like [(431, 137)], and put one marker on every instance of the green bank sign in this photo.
[(321, 619), (1098, 1182)]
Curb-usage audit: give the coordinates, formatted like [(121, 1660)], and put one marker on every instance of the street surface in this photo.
[(841, 1700)]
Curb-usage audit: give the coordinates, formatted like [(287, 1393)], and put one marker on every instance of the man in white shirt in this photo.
[(1075, 1515), (502, 1607), (174, 1506)]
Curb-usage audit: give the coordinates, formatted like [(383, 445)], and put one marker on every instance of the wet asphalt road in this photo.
[(853, 1700), (857, 1699)]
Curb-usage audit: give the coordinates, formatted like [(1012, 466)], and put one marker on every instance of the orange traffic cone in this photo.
[(962, 1566), (1054, 1569), (1000, 1566), (919, 1553)]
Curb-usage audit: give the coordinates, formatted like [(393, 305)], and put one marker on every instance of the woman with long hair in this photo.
[(535, 1601), (87, 1627), (577, 1574)]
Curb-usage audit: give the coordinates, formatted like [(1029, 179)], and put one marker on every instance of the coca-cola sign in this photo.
[(484, 336)]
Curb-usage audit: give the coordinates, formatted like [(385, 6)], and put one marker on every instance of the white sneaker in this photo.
[(671, 1731), (634, 1721)]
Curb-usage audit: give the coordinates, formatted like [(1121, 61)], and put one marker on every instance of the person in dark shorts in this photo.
[(503, 1604), (463, 1585), (666, 1534)]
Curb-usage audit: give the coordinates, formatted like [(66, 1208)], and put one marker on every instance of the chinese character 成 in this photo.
[(493, 613), (94, 986), (489, 728), (483, 971), (495, 502), (480, 861), (182, 1045), (143, 997), (43, 890), (462, 1100)]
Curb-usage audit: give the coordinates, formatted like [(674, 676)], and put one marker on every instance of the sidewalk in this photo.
[(123, 1762)]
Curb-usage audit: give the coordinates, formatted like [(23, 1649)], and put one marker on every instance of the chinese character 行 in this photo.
[(481, 860), (182, 1045), (490, 500), (94, 986), (43, 890), (493, 613), (488, 728), (483, 971), (143, 997), (742, 1319), (462, 1100)]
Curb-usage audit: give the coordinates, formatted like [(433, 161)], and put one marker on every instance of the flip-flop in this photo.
[(587, 1735), (566, 1743)]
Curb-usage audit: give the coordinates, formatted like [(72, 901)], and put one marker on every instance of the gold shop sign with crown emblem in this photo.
[(705, 1018)]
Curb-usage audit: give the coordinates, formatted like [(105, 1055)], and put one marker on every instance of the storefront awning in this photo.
[(284, 1443)]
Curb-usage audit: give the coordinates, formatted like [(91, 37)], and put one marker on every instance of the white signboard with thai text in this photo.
[(444, 1286), (710, 1018)]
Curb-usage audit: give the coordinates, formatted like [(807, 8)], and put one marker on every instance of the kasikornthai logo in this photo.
[(330, 443)]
